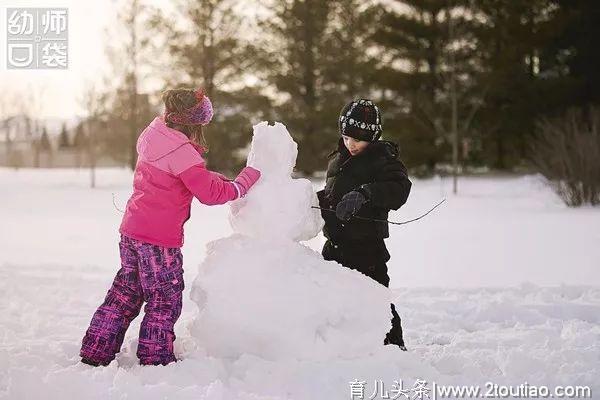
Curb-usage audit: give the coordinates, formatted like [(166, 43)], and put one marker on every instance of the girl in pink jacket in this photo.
[(170, 171)]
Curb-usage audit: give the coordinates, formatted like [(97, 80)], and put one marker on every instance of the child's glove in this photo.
[(246, 179), (350, 204)]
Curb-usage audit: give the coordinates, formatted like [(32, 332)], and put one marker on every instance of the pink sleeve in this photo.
[(183, 158), (207, 186)]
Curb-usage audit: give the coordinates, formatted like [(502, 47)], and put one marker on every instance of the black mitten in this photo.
[(350, 204)]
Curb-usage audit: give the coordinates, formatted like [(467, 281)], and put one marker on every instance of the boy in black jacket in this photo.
[(365, 179)]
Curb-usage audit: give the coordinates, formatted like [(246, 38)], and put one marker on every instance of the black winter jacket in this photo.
[(385, 176)]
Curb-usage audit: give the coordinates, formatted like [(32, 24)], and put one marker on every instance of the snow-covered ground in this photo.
[(500, 284)]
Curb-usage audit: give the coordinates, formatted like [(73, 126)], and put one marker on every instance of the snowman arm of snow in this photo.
[(208, 186), (390, 188)]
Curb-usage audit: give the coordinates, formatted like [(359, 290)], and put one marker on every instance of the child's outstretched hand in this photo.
[(350, 204), (246, 179)]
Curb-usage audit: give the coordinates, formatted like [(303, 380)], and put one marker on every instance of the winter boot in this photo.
[(92, 363), (394, 336)]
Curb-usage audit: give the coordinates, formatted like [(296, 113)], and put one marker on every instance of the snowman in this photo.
[(262, 292)]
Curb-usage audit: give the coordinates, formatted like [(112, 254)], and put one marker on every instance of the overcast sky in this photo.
[(60, 89)]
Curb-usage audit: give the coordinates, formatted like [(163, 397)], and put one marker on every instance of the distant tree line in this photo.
[(474, 77)]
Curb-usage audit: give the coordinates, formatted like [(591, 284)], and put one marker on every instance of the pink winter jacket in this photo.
[(169, 173)]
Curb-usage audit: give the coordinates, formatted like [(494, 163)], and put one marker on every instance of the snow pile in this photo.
[(509, 230), (261, 292), (528, 333)]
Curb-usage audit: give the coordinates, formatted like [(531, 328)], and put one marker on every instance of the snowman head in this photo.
[(273, 151)]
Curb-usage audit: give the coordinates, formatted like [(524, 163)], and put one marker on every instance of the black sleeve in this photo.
[(321, 197), (391, 186)]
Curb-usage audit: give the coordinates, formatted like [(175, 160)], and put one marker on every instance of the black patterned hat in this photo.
[(361, 120)]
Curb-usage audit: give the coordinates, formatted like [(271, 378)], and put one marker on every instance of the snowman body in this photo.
[(261, 292)]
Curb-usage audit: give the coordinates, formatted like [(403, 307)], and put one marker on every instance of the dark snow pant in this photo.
[(151, 274), (370, 259)]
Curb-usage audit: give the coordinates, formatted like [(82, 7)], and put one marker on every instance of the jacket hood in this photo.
[(386, 148), (158, 140)]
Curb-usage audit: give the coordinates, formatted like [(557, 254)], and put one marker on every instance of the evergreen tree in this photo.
[(427, 57), (63, 139), (315, 59), (206, 49), (294, 47), (510, 40), (572, 56), (349, 71), (44, 141)]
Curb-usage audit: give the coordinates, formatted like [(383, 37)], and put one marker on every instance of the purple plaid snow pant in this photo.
[(149, 273)]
